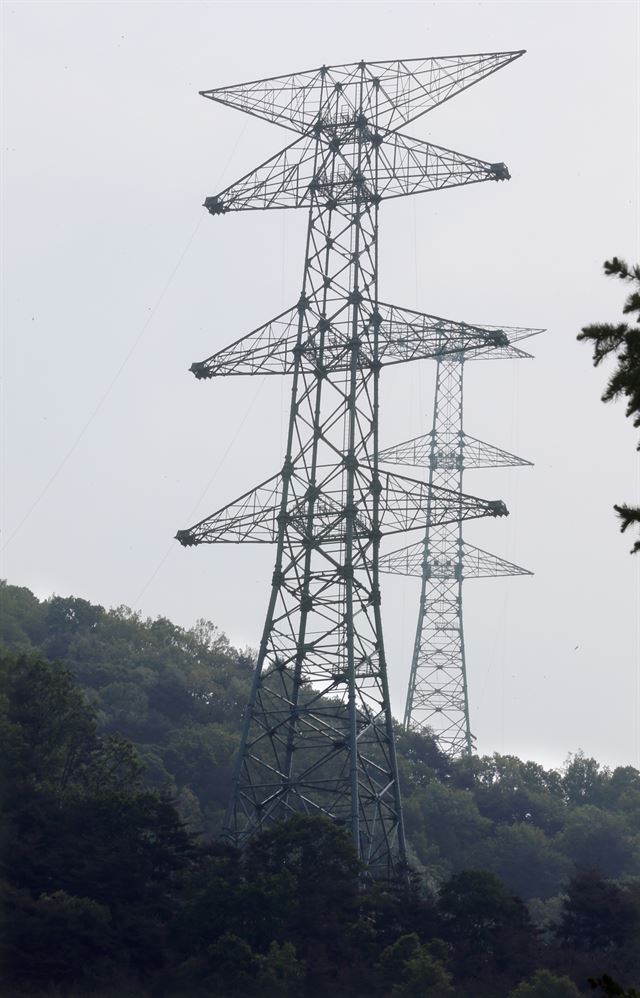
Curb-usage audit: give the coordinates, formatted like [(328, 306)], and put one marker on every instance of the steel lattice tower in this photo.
[(318, 735), (437, 694)]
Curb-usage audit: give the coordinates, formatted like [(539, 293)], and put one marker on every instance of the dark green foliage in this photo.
[(598, 840), (609, 987), (107, 893), (509, 791), (445, 823), (177, 694), (409, 969), (488, 928), (229, 966), (312, 863), (622, 342), (543, 984), (598, 914), (526, 859), (90, 859)]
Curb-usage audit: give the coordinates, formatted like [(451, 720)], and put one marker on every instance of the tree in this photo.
[(611, 988), (546, 985), (509, 791), (489, 929), (597, 914), (408, 969), (442, 816), (92, 863), (527, 861), (623, 342), (596, 839), (583, 780), (310, 867)]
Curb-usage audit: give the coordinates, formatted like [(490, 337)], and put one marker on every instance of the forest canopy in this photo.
[(119, 736)]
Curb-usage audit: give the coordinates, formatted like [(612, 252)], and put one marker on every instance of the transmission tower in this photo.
[(437, 694), (317, 735)]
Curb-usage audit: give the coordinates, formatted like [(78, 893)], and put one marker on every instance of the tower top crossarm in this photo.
[(390, 94)]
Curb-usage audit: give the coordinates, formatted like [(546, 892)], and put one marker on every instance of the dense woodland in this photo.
[(118, 738)]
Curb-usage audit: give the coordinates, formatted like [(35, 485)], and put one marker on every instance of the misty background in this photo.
[(115, 279)]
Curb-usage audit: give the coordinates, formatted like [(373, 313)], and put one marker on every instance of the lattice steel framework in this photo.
[(318, 733), (437, 694)]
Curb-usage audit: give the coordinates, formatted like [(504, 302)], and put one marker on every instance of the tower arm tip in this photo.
[(200, 369), (497, 507), (500, 171), (186, 538), (214, 205)]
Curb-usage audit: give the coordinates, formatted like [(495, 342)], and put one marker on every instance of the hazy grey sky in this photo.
[(115, 280)]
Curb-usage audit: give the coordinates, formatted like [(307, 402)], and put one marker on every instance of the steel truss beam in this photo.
[(318, 731), (403, 335), (473, 563), (256, 515), (390, 93)]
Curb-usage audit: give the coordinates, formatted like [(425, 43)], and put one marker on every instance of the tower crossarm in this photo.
[(474, 564), (461, 451), (479, 564), (252, 517), (269, 349), (403, 166), (501, 353), (411, 166), (280, 182), (409, 335), (405, 502), (391, 93), (403, 335), (255, 517), (478, 454), (412, 453)]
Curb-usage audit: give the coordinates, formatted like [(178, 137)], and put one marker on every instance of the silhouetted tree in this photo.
[(91, 861), (489, 929), (623, 342), (543, 984), (597, 914)]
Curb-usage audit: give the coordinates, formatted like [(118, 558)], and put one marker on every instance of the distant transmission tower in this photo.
[(317, 735), (437, 695)]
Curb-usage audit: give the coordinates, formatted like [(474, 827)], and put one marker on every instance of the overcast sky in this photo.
[(115, 280)]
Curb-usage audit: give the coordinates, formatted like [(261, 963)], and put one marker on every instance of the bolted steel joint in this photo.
[(374, 596)]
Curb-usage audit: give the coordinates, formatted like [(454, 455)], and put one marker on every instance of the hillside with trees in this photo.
[(119, 736)]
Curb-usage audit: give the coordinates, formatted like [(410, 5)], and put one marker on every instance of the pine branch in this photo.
[(629, 515), (605, 338), (621, 269), (624, 343)]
